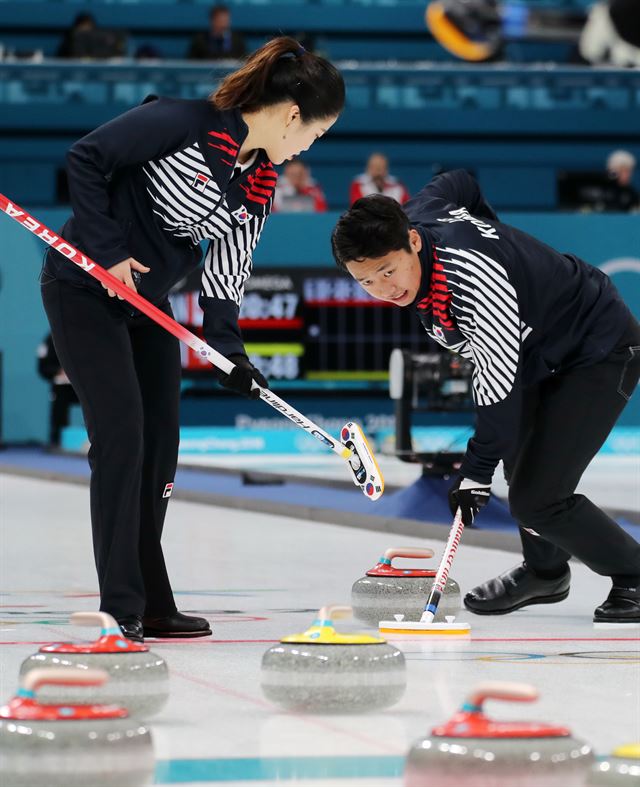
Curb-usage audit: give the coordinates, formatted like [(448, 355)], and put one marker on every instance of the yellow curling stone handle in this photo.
[(322, 631), (631, 750)]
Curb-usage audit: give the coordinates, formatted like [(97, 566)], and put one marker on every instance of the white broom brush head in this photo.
[(406, 629), (364, 469)]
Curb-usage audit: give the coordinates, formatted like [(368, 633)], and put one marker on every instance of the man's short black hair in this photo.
[(370, 229)]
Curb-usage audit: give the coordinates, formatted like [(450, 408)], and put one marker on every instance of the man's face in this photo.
[(623, 175), (220, 22), (296, 173), (395, 277), (378, 167)]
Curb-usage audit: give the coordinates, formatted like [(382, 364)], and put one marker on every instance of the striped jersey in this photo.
[(517, 309), (157, 182)]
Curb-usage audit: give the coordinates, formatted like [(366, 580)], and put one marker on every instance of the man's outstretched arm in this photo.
[(461, 189)]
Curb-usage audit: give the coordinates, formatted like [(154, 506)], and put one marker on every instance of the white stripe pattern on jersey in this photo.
[(185, 211), (485, 307), (199, 214), (228, 261)]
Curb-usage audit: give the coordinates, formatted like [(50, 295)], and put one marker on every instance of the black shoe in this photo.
[(131, 628), (176, 626), (621, 606), (519, 587)]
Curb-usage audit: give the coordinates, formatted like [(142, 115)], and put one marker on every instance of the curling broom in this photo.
[(352, 446)]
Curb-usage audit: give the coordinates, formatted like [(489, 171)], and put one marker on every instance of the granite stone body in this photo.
[(137, 681), (474, 750), (333, 678), (100, 753), (486, 762), (71, 745), (376, 598), (615, 772), (387, 590)]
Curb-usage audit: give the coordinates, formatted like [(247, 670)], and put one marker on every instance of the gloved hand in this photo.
[(470, 497), (242, 376)]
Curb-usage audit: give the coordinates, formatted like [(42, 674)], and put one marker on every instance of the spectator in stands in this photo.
[(297, 191), (620, 166), (62, 395), (377, 180), (614, 192), (85, 40), (220, 41), (82, 23)]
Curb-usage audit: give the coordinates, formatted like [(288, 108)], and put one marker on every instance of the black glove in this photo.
[(470, 498), (242, 376)]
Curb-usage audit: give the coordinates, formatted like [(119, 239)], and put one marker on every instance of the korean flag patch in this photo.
[(241, 215), (200, 182)]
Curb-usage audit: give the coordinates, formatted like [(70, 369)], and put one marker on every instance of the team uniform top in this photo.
[(155, 182), (516, 308)]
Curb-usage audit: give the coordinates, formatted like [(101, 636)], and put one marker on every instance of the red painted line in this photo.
[(47, 642), (205, 641), (158, 642), (302, 717), (554, 639)]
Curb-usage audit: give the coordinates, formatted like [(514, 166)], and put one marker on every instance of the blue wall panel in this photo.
[(611, 240)]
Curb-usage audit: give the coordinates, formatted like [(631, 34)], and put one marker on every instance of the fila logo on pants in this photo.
[(168, 489)]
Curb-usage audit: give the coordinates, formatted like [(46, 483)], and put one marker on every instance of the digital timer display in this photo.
[(307, 324)]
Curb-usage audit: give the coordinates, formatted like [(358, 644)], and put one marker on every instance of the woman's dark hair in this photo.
[(282, 70), (370, 229)]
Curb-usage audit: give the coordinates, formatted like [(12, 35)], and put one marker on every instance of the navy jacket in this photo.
[(154, 182), (516, 308)]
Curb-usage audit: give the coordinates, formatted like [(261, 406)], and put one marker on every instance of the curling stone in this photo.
[(476, 751), (621, 769), (71, 745), (386, 590), (138, 679), (323, 670)]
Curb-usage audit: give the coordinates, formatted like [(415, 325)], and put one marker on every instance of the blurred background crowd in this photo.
[(525, 33), (538, 99)]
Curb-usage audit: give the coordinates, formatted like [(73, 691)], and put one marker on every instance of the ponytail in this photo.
[(282, 70)]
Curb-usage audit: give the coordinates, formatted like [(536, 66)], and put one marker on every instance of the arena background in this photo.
[(531, 97), (524, 124)]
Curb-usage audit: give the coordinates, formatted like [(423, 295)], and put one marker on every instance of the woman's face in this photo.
[(291, 136)]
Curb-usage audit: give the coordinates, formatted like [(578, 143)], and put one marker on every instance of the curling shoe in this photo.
[(176, 626), (131, 628), (622, 605), (519, 587)]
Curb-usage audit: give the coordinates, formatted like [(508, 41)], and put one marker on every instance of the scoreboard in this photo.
[(309, 324)]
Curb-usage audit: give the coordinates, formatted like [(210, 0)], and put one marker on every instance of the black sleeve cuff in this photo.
[(220, 325)]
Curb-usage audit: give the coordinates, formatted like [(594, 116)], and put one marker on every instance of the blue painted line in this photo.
[(279, 768)]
